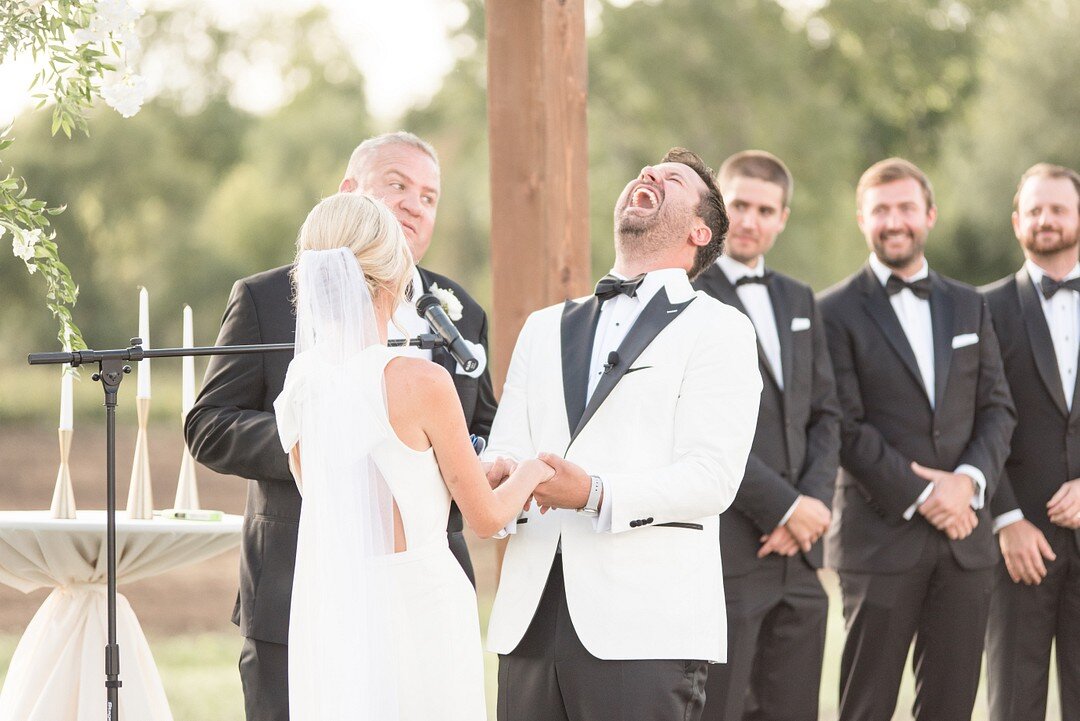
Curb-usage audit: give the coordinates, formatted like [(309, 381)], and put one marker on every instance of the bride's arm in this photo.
[(426, 397), (294, 467)]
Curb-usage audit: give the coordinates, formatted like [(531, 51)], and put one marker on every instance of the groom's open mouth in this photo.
[(644, 199)]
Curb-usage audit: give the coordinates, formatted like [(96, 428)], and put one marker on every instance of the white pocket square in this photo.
[(962, 341), (798, 324)]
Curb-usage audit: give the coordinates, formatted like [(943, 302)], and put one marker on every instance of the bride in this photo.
[(383, 623)]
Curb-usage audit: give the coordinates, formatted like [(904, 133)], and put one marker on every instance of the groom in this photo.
[(231, 428), (647, 394)]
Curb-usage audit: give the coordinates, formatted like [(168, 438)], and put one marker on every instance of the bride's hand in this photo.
[(536, 470)]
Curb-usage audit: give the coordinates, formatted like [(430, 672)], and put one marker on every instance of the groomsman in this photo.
[(611, 600), (1036, 508), (776, 606), (925, 432), (232, 430)]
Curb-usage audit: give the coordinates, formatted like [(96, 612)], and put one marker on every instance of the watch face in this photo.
[(588, 512)]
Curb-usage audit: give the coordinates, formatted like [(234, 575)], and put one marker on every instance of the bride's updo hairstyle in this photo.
[(366, 227)]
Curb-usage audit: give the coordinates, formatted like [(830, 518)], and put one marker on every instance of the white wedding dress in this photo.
[(373, 635)]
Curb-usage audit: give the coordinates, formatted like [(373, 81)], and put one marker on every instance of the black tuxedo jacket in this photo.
[(231, 429), (888, 421), (797, 442), (1045, 449)]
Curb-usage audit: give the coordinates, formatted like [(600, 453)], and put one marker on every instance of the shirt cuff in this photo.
[(602, 521), (787, 516), (509, 529), (978, 499), (1007, 519), (910, 512)]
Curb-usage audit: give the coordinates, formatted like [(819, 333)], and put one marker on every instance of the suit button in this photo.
[(937, 434), (635, 524), (648, 520)]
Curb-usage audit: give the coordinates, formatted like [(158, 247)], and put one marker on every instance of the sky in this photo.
[(376, 31)]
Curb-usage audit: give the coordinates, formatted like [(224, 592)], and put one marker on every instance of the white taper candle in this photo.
[(188, 364), (143, 390), (67, 422)]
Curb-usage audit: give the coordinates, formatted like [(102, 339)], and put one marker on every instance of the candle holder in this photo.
[(187, 490), (63, 500), (140, 503)]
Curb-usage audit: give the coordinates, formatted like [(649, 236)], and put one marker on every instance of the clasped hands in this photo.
[(568, 486), (948, 507), (1023, 545), (807, 523)]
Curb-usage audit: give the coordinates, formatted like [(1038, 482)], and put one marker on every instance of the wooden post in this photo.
[(537, 91)]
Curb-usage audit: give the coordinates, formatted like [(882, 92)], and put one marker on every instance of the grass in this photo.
[(202, 682)]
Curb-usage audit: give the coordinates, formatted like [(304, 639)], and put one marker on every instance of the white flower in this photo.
[(448, 301), (109, 16), (123, 92), (22, 245)]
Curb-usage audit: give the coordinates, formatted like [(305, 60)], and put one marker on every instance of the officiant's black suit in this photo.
[(903, 577), (776, 607), (1045, 453), (231, 429)]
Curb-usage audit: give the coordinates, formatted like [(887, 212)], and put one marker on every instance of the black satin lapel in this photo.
[(877, 305), (782, 314), (716, 284), (942, 316), (654, 318), (577, 334), (1042, 345)]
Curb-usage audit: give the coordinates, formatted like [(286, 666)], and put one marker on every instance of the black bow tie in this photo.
[(1050, 286), (609, 286), (765, 278), (920, 287)]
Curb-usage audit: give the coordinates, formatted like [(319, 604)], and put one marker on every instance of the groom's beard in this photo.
[(637, 237)]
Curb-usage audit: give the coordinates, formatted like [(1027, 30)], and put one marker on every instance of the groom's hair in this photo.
[(711, 208), (364, 151)]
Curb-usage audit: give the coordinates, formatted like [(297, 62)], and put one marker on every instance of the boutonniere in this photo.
[(449, 302)]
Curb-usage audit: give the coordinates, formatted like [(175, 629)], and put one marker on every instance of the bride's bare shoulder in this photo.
[(417, 379)]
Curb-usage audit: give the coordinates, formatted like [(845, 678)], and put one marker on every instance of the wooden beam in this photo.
[(537, 92)]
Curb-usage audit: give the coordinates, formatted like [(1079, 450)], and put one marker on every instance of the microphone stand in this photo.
[(112, 366)]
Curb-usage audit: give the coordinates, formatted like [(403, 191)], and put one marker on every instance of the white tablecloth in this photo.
[(57, 672)]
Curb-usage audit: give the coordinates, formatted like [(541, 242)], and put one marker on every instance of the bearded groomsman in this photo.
[(776, 606), (927, 419), (1036, 508)]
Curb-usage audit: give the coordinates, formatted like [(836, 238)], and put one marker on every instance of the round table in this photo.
[(57, 672)]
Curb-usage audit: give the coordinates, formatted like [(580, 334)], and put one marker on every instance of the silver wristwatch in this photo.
[(592, 506)]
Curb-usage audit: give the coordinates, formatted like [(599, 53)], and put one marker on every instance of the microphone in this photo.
[(612, 361), (430, 309)]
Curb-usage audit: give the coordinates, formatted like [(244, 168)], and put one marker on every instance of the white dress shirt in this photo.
[(755, 298), (914, 316), (1063, 319)]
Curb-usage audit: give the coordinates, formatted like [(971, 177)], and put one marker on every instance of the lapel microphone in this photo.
[(612, 361)]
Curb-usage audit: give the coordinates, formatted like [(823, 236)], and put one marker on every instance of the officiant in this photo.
[(231, 429)]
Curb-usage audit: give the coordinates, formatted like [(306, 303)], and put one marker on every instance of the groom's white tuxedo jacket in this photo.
[(668, 429)]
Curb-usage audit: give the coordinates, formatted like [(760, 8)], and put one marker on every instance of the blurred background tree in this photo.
[(194, 192)]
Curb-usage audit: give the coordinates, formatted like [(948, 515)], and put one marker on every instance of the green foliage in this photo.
[(74, 67), (192, 193)]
